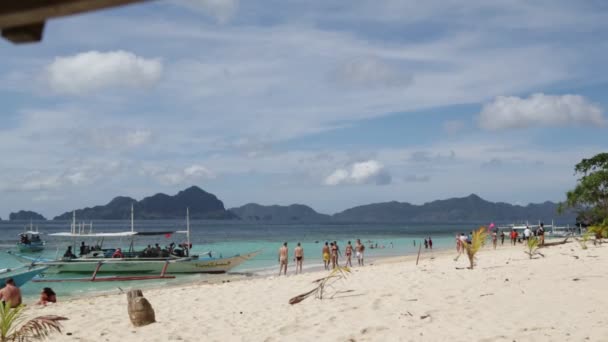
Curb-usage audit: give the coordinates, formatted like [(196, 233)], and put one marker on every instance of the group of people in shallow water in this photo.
[(330, 254), (10, 294)]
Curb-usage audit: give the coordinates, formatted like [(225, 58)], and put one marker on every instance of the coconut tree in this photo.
[(14, 327), (532, 246), (478, 240)]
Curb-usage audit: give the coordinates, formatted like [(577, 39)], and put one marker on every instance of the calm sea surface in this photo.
[(230, 238)]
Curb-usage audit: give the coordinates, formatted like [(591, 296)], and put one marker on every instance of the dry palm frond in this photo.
[(35, 329), (532, 246), (339, 273), (478, 240)]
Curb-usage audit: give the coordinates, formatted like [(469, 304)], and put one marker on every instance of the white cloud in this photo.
[(539, 109), (94, 70), (371, 72), (366, 172)]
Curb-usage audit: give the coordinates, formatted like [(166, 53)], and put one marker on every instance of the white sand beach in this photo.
[(508, 297)]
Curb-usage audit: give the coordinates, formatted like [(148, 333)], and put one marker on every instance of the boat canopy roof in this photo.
[(115, 234), (30, 232)]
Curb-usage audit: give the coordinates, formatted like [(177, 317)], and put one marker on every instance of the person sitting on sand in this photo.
[(325, 254), (47, 296), (68, 253), (118, 254), (298, 253), (283, 254), (10, 294), (359, 248), (349, 253)]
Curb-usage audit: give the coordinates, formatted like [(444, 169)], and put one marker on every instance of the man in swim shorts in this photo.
[(283, 253), (359, 249), (325, 254), (298, 257)]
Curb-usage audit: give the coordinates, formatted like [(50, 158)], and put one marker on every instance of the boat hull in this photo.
[(30, 247), (147, 265), (20, 275)]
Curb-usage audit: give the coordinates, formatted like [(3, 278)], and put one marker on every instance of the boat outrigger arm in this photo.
[(94, 277)]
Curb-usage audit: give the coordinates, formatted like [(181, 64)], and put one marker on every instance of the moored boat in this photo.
[(29, 241), (98, 259), (20, 275)]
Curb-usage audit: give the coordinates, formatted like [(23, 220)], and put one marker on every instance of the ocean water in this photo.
[(227, 238)]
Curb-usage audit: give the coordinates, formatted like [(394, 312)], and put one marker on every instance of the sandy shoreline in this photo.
[(507, 297)]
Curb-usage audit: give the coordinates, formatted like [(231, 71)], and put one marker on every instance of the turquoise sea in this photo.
[(227, 238)]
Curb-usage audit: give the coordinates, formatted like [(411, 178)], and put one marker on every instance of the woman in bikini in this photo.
[(349, 253), (334, 255)]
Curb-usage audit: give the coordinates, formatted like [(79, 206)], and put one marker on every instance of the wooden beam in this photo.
[(29, 33), (20, 13)]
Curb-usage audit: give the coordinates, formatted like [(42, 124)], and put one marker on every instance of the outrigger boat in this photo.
[(20, 275), (132, 263), (29, 240)]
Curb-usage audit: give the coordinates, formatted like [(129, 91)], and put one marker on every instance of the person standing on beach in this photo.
[(502, 238), (541, 234), (513, 237), (298, 257), (359, 248), (527, 233), (325, 254), (426, 244), (458, 243), (283, 254), (494, 239), (430, 243), (339, 253), (349, 253), (334, 254)]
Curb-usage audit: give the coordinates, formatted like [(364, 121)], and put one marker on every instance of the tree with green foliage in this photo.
[(590, 196), (478, 240)]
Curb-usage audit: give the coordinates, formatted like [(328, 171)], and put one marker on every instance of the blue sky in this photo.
[(327, 103)]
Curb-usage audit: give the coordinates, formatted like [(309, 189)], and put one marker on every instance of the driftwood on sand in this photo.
[(555, 243), (338, 273)]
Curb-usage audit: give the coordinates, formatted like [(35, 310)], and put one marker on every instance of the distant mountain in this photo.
[(278, 213), (202, 204), (466, 209), (26, 215)]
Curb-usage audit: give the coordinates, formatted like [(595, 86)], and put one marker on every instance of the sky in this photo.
[(332, 104)]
